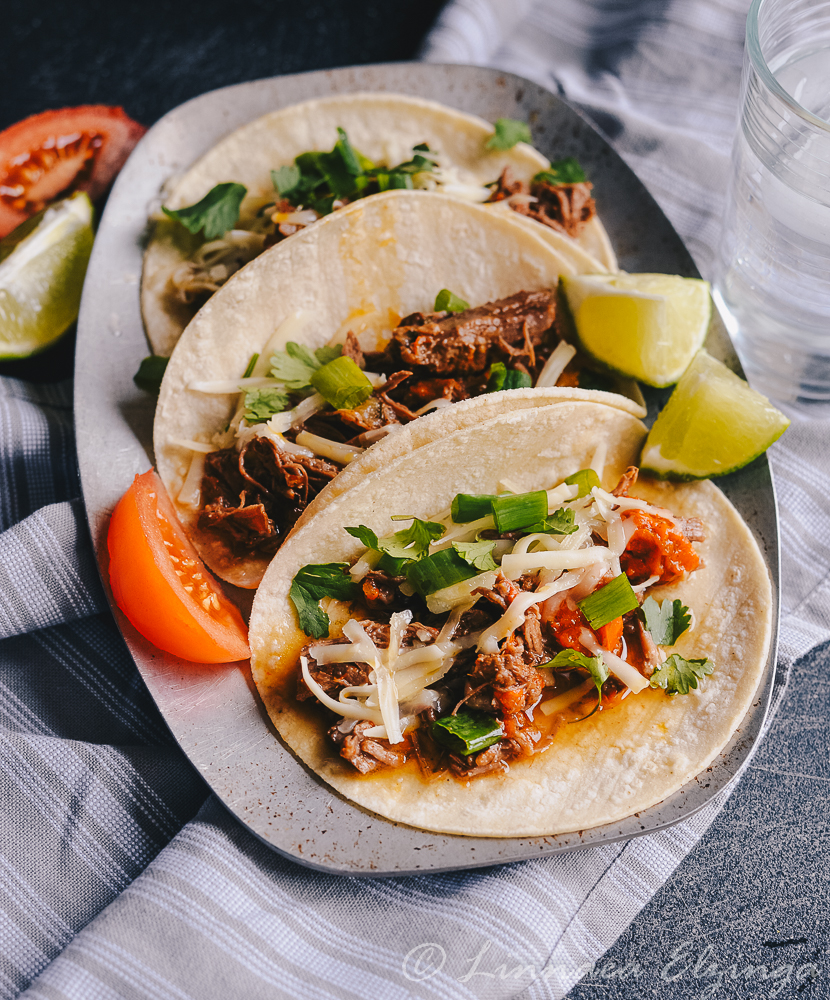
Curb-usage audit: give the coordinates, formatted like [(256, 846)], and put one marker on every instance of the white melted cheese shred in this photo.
[(568, 566)]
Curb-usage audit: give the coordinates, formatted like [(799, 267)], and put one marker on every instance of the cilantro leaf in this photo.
[(447, 301), (560, 522), (325, 354), (347, 154), (567, 171), (310, 585), (150, 373), (508, 133), (678, 675), (569, 659), (285, 179), (411, 543), (478, 554), (666, 621), (216, 213), (365, 535), (296, 364), (262, 404)]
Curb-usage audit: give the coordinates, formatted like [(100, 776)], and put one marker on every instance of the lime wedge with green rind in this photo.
[(42, 275), (646, 326), (713, 423)]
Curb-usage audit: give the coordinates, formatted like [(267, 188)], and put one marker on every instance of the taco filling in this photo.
[(312, 412), (470, 639), (319, 183)]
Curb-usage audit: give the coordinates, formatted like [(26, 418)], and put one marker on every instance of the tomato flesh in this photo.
[(161, 584), (656, 548), (50, 155)]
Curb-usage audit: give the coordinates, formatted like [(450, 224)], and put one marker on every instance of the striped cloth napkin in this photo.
[(121, 877)]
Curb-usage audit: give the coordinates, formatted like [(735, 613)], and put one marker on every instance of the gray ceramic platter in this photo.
[(214, 712)]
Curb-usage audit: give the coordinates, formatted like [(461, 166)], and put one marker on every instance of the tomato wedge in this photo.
[(50, 155), (161, 584)]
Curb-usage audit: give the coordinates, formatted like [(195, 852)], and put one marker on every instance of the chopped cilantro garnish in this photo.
[(567, 171), (262, 404), (508, 133), (570, 659), (447, 301), (310, 585), (502, 377), (467, 732), (285, 179), (409, 544), (678, 675), (296, 364), (667, 621), (560, 522), (478, 554), (216, 213), (318, 179), (150, 373)]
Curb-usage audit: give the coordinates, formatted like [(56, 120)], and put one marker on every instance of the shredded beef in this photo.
[(505, 682), (563, 207), (367, 754), (251, 498), (521, 744), (468, 342), (380, 589), (378, 632), (369, 416), (627, 480), (332, 677), (502, 593), (351, 349)]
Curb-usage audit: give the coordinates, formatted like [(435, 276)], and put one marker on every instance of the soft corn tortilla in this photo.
[(384, 127), (602, 769), (360, 269)]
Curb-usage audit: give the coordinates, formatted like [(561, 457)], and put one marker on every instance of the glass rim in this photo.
[(753, 44)]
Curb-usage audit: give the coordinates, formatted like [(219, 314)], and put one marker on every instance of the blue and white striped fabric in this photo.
[(120, 877)]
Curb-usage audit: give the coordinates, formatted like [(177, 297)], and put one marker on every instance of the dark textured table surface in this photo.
[(745, 915)]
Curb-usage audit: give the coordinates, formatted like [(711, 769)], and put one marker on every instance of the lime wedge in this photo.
[(41, 276), (712, 424), (647, 326)]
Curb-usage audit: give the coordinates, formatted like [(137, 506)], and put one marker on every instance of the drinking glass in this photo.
[(773, 274)]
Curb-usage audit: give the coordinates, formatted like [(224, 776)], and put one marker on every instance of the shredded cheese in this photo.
[(337, 452), (630, 676), (560, 702), (514, 566)]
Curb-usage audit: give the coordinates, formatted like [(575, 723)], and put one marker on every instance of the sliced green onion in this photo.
[(342, 384), (467, 507), (392, 566), (609, 602), (502, 377), (517, 510), (585, 479), (447, 301), (249, 371), (442, 569), (467, 732)]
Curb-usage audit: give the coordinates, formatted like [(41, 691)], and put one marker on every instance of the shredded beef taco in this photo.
[(324, 352), (279, 174), (506, 632)]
